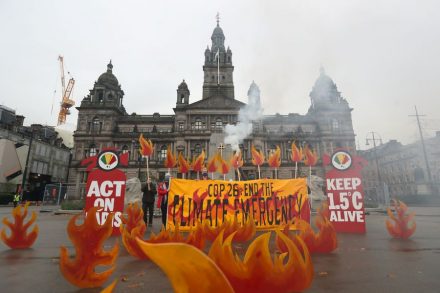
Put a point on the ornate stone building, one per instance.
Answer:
(104, 122)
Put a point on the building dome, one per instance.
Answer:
(183, 86)
(218, 31)
(108, 78)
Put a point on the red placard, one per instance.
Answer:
(106, 186)
(344, 191)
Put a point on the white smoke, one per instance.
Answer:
(235, 134)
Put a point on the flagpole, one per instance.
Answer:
(296, 168)
(218, 66)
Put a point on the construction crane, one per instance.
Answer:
(66, 102)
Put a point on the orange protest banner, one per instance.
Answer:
(270, 202)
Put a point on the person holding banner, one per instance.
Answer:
(148, 195)
(162, 190)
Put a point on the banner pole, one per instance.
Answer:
(296, 168)
(148, 171)
(259, 174)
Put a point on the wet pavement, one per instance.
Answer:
(373, 262)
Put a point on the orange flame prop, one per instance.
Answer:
(184, 166)
(133, 226)
(187, 268)
(212, 166)
(88, 239)
(310, 157)
(170, 160)
(257, 159)
(325, 241)
(194, 238)
(401, 228)
(241, 233)
(146, 146)
(20, 238)
(297, 154)
(274, 159)
(111, 287)
(258, 272)
(237, 162)
(223, 167)
(198, 163)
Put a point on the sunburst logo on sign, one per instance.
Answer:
(108, 160)
(341, 160)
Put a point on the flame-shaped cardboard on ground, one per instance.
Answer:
(190, 270)
(132, 227)
(260, 271)
(19, 237)
(242, 233)
(404, 224)
(324, 241)
(88, 240)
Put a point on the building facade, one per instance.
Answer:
(402, 169)
(195, 126)
(36, 150)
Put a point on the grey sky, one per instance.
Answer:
(383, 55)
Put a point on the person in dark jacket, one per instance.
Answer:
(148, 196)
(163, 189)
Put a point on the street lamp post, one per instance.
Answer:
(379, 178)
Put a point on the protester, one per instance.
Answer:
(16, 199)
(148, 195)
(162, 190)
(205, 174)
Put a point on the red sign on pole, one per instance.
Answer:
(106, 186)
(344, 191)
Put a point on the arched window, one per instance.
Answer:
(93, 151)
(96, 126)
(163, 152)
(218, 123)
(182, 98)
(198, 124)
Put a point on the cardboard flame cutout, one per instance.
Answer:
(146, 149)
(401, 228)
(310, 157)
(184, 166)
(212, 166)
(241, 233)
(198, 163)
(237, 163)
(194, 238)
(257, 272)
(297, 154)
(170, 160)
(111, 287)
(133, 226)
(325, 241)
(19, 237)
(187, 268)
(190, 270)
(257, 159)
(88, 240)
(224, 166)
(274, 159)
(237, 160)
